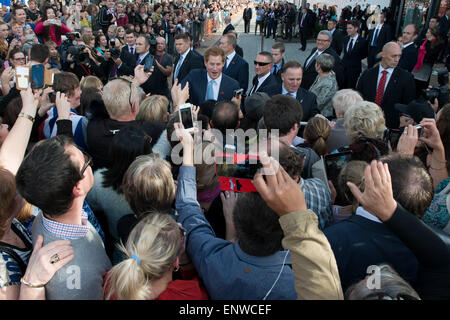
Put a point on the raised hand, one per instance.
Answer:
(378, 197)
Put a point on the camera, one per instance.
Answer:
(112, 42)
(152, 40)
(115, 53)
(440, 92)
(79, 57)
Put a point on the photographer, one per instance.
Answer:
(50, 28)
(164, 67)
(80, 61)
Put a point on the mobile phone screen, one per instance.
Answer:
(186, 117)
(334, 164)
(148, 64)
(242, 170)
(37, 76)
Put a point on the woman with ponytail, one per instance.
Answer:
(154, 251)
(316, 134)
(50, 27)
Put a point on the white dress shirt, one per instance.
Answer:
(366, 214)
(350, 41)
(315, 57)
(230, 58)
(141, 58)
(407, 45)
(388, 76)
(261, 80)
(216, 85)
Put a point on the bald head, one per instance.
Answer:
(391, 54)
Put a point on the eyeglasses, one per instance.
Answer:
(322, 40)
(406, 116)
(262, 64)
(19, 59)
(87, 162)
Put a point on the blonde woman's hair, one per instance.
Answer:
(153, 108)
(344, 99)
(90, 82)
(148, 185)
(151, 250)
(316, 134)
(364, 120)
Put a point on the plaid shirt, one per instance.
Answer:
(67, 231)
(318, 199)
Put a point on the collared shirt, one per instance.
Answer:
(278, 67)
(67, 231)
(366, 214)
(388, 76)
(332, 31)
(183, 56)
(226, 270)
(318, 199)
(284, 91)
(350, 41)
(261, 80)
(216, 85)
(230, 58)
(407, 45)
(315, 55)
(132, 47)
(141, 58)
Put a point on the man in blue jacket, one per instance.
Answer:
(210, 84)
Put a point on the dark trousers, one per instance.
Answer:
(303, 37)
(372, 57)
(271, 28)
(247, 26)
(261, 26)
(288, 31)
(351, 77)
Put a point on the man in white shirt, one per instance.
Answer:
(235, 67)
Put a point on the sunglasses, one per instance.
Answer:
(262, 64)
(87, 162)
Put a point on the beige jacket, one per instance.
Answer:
(315, 269)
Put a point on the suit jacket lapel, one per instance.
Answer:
(392, 83)
(373, 82)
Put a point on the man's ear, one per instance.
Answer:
(77, 190)
(295, 127)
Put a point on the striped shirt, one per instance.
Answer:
(67, 231)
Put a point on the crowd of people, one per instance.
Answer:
(103, 194)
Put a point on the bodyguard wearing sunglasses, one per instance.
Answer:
(263, 78)
(291, 76)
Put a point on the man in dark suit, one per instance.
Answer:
(235, 67)
(323, 42)
(128, 56)
(186, 60)
(278, 52)
(263, 78)
(289, 21)
(338, 37)
(388, 84)
(238, 49)
(305, 25)
(141, 56)
(355, 50)
(229, 26)
(210, 84)
(291, 76)
(377, 38)
(247, 16)
(409, 50)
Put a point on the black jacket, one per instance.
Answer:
(191, 62)
(401, 88)
(338, 41)
(307, 100)
(310, 73)
(409, 57)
